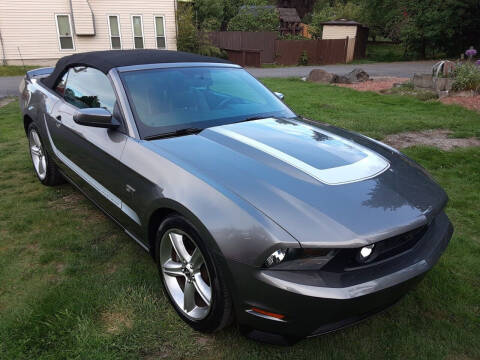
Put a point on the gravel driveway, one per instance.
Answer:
(9, 84)
(396, 69)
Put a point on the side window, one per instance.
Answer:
(89, 88)
(60, 88)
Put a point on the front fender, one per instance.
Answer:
(233, 227)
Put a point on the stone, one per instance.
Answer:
(321, 76)
(355, 76)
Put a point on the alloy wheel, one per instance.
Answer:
(185, 274)
(38, 156)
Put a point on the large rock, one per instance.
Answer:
(354, 76)
(321, 76)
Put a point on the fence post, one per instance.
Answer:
(346, 50)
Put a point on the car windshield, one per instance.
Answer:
(174, 99)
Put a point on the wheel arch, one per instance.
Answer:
(166, 208)
(27, 120)
(169, 207)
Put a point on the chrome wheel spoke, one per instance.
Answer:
(41, 167)
(36, 139)
(189, 297)
(203, 289)
(172, 268)
(36, 151)
(179, 247)
(196, 259)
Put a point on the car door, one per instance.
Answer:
(91, 155)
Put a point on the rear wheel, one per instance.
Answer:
(45, 169)
(190, 276)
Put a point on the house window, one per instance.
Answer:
(160, 32)
(64, 29)
(114, 28)
(137, 27)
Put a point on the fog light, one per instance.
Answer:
(276, 258)
(366, 251)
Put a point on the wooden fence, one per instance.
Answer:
(243, 48)
(318, 52)
(263, 41)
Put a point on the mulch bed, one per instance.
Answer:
(375, 84)
(470, 102)
(438, 138)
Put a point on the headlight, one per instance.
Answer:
(299, 259)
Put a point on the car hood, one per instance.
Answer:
(325, 186)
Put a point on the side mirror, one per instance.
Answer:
(96, 117)
(279, 95)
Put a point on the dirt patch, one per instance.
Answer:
(60, 267)
(436, 138)
(204, 340)
(375, 84)
(6, 100)
(111, 268)
(116, 321)
(160, 354)
(67, 202)
(470, 102)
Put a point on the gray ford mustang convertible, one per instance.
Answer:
(294, 228)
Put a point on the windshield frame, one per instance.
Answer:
(202, 125)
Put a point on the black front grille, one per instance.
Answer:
(384, 250)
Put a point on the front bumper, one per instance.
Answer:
(316, 302)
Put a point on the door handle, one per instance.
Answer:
(58, 123)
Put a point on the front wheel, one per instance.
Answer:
(43, 164)
(190, 277)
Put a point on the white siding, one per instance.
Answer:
(29, 26)
(338, 31)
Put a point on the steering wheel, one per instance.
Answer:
(224, 102)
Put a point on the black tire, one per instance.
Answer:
(220, 313)
(52, 175)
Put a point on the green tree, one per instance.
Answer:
(187, 37)
(335, 10)
(256, 18)
(209, 14)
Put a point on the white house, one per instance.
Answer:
(40, 32)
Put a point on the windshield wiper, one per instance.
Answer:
(180, 132)
(251, 118)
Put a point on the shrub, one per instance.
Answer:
(467, 77)
(303, 58)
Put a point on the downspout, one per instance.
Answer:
(93, 18)
(72, 18)
(4, 57)
(175, 5)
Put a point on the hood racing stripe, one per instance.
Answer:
(370, 166)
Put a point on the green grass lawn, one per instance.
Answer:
(72, 285)
(14, 70)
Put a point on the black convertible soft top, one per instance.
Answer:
(106, 60)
